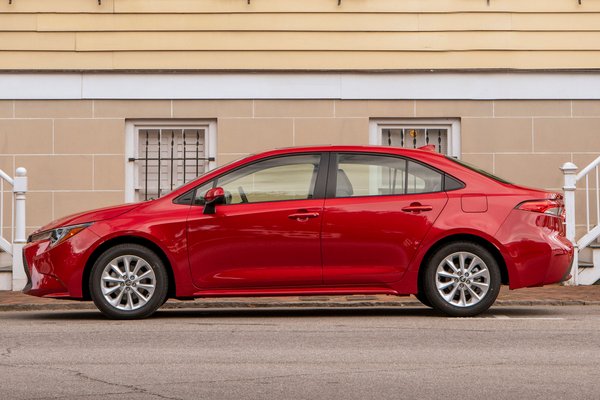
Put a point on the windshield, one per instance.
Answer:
(479, 170)
(200, 176)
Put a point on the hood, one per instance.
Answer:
(98, 214)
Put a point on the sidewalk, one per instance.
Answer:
(548, 295)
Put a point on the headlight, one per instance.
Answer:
(58, 235)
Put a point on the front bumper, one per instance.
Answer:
(58, 271)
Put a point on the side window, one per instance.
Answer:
(275, 179)
(378, 175)
(422, 179)
(369, 175)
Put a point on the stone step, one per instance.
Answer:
(5, 260)
(5, 279)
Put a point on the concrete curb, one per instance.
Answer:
(288, 304)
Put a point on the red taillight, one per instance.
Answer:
(550, 207)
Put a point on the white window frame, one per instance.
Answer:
(451, 124)
(132, 135)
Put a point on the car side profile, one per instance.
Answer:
(322, 220)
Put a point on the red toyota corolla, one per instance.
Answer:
(311, 221)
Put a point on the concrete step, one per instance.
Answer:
(589, 272)
(5, 260)
(5, 279)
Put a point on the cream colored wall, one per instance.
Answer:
(75, 150)
(298, 35)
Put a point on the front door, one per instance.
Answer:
(268, 233)
(374, 221)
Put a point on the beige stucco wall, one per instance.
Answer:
(298, 35)
(75, 150)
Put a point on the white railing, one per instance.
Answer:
(592, 201)
(14, 243)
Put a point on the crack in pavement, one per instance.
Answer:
(8, 351)
(81, 375)
(134, 388)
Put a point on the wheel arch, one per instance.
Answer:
(127, 239)
(461, 237)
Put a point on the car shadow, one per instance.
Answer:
(271, 312)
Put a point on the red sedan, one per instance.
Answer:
(326, 220)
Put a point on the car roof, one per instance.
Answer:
(378, 149)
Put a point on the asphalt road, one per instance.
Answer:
(402, 353)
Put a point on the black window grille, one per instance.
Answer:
(167, 158)
(416, 137)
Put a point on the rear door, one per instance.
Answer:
(378, 209)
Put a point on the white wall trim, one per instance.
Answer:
(318, 85)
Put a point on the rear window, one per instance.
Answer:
(479, 170)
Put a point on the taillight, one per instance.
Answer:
(550, 207)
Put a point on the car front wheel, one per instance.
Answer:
(128, 281)
(462, 279)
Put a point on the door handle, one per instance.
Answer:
(417, 208)
(303, 216)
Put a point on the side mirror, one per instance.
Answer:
(213, 197)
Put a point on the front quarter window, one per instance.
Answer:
(201, 192)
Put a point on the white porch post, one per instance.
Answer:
(570, 170)
(19, 191)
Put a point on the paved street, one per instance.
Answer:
(401, 353)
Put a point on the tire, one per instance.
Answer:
(117, 295)
(423, 299)
(462, 292)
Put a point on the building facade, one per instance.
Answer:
(120, 100)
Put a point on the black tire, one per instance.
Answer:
(423, 299)
(158, 278)
(448, 305)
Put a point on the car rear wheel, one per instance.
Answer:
(462, 279)
(128, 281)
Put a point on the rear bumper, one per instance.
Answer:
(536, 252)
(560, 262)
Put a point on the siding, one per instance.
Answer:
(299, 35)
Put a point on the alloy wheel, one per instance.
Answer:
(128, 282)
(462, 279)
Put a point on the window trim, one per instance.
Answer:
(320, 182)
(452, 124)
(132, 128)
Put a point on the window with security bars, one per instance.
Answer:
(167, 157)
(416, 136)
